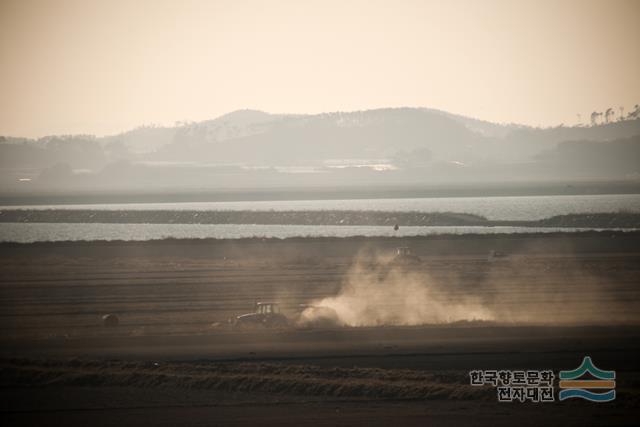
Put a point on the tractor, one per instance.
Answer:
(266, 315)
(405, 257)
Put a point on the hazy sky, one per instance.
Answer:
(106, 66)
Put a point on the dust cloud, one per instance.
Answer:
(382, 290)
(521, 288)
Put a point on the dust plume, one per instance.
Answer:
(381, 291)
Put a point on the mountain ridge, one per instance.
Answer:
(385, 145)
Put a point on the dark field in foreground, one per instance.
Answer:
(551, 300)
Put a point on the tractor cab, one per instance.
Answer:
(403, 251)
(267, 308)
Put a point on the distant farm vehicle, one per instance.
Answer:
(496, 255)
(110, 320)
(404, 256)
(266, 315)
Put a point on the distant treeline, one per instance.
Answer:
(325, 217)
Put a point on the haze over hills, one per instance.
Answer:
(249, 148)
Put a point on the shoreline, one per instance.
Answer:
(632, 234)
(321, 217)
(412, 190)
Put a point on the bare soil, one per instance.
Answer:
(173, 359)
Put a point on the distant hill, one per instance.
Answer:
(382, 133)
(389, 145)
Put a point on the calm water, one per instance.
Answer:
(33, 232)
(493, 208)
